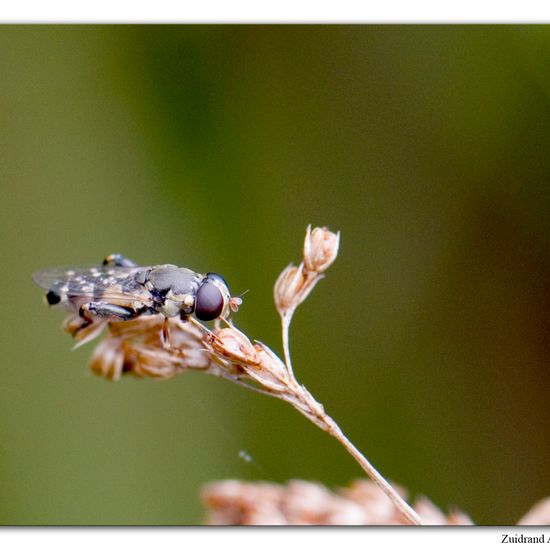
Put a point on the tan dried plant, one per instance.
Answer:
(137, 347)
(299, 502)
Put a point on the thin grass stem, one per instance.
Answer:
(285, 328)
(412, 517)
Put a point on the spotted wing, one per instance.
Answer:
(96, 282)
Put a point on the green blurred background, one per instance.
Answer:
(213, 147)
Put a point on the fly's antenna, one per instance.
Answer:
(234, 303)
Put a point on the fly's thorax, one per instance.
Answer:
(173, 289)
(180, 280)
(172, 305)
(169, 308)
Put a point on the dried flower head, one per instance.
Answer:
(234, 502)
(538, 515)
(295, 283)
(320, 249)
(108, 359)
(233, 345)
(288, 290)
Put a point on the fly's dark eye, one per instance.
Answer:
(217, 277)
(209, 302)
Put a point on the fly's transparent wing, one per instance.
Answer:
(97, 282)
(51, 277)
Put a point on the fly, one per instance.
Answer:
(121, 290)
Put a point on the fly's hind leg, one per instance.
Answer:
(103, 309)
(118, 260)
(92, 317)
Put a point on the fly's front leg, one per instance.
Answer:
(103, 309)
(118, 260)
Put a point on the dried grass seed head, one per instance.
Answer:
(296, 282)
(320, 248)
(288, 290)
(538, 515)
(108, 359)
(136, 347)
(299, 502)
(232, 344)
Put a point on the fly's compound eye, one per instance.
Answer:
(218, 278)
(209, 302)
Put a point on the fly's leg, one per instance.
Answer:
(83, 330)
(96, 314)
(103, 309)
(95, 311)
(165, 334)
(165, 338)
(118, 260)
(75, 325)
